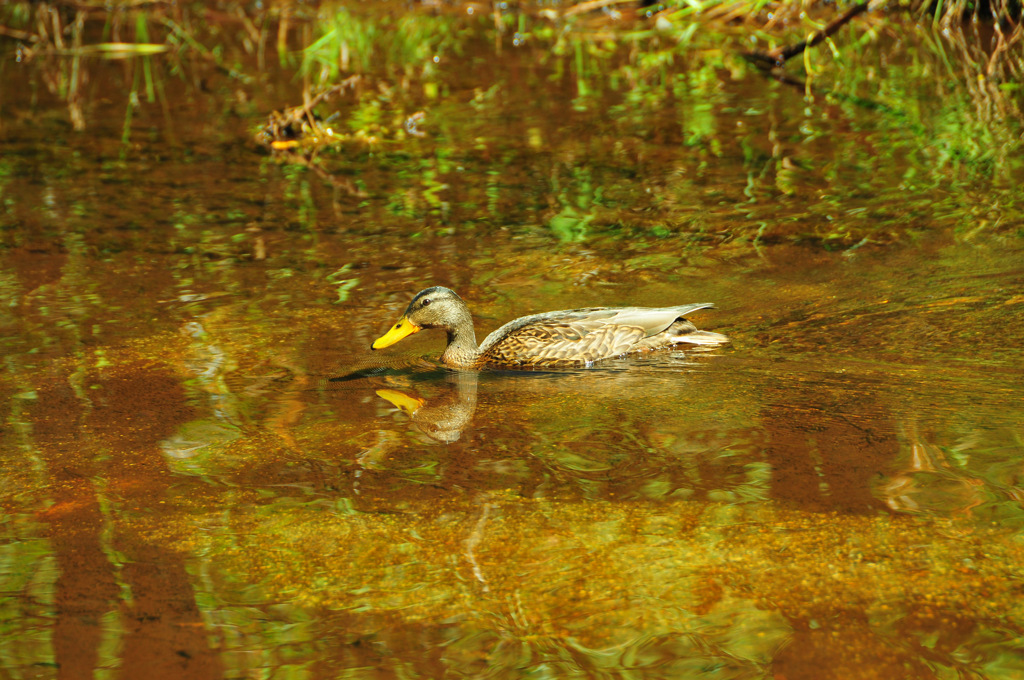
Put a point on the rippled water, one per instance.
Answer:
(207, 473)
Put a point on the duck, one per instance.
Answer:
(566, 338)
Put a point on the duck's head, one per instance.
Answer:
(436, 307)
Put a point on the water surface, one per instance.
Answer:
(206, 472)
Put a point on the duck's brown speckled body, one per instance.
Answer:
(572, 337)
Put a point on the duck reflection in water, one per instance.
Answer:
(442, 418)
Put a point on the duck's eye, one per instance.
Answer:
(424, 302)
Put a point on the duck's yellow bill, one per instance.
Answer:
(402, 329)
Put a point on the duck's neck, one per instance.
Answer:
(462, 350)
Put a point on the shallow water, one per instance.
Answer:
(206, 472)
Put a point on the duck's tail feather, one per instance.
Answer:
(701, 338)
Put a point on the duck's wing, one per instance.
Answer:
(653, 320)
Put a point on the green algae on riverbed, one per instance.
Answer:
(581, 581)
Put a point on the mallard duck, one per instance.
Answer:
(572, 337)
